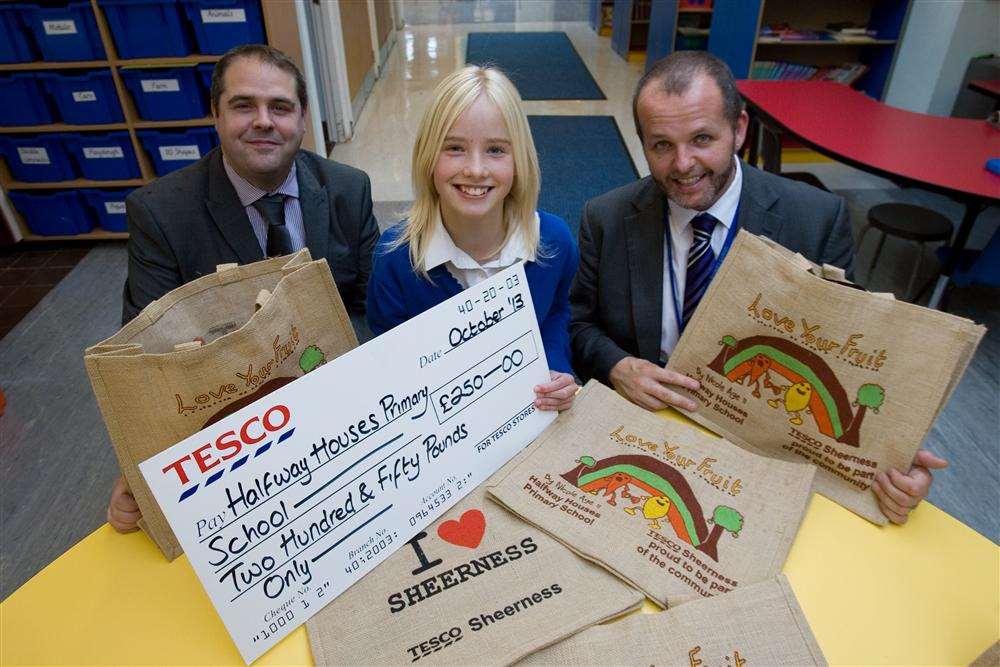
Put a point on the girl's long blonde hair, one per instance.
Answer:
(452, 97)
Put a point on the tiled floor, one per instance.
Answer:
(28, 272)
(424, 54)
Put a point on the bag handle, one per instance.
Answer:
(262, 298)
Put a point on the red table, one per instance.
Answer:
(945, 155)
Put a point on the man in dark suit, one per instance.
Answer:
(648, 250)
(259, 196)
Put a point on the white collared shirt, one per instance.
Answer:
(248, 193)
(682, 236)
(466, 270)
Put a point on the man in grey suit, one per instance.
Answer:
(648, 250)
(259, 196)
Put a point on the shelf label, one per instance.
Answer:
(59, 27)
(223, 16)
(180, 152)
(33, 155)
(84, 96)
(104, 153)
(161, 85)
(115, 207)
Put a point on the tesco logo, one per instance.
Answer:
(228, 445)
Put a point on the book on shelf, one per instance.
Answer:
(689, 31)
(847, 31)
(771, 70)
(783, 32)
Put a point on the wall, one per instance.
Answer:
(977, 32)
(939, 38)
(383, 20)
(357, 43)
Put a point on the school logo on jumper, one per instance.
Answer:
(799, 382)
(666, 495)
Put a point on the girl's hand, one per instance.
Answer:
(557, 394)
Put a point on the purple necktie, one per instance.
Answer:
(700, 265)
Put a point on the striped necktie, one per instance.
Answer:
(700, 265)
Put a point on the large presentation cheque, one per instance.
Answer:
(284, 504)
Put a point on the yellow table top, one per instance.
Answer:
(927, 593)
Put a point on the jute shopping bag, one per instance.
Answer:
(479, 586)
(760, 624)
(803, 367)
(676, 512)
(207, 349)
(989, 658)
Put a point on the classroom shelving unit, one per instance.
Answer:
(630, 26)
(735, 35)
(282, 33)
(676, 26)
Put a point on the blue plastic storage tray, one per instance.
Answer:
(24, 101)
(104, 157)
(16, 44)
(219, 25)
(173, 93)
(55, 214)
(148, 28)
(108, 206)
(38, 158)
(171, 151)
(205, 72)
(65, 33)
(84, 99)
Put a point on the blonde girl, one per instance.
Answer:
(476, 182)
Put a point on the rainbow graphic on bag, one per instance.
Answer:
(669, 496)
(813, 387)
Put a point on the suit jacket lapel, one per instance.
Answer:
(756, 201)
(645, 233)
(315, 206)
(228, 213)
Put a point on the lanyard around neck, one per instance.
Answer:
(670, 260)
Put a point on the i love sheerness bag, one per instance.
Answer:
(207, 349)
(760, 624)
(479, 586)
(676, 512)
(803, 368)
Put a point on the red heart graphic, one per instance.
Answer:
(466, 532)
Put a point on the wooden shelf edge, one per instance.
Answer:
(159, 61)
(62, 127)
(96, 235)
(165, 61)
(78, 183)
(207, 121)
(45, 64)
(695, 10)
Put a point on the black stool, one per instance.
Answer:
(914, 223)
